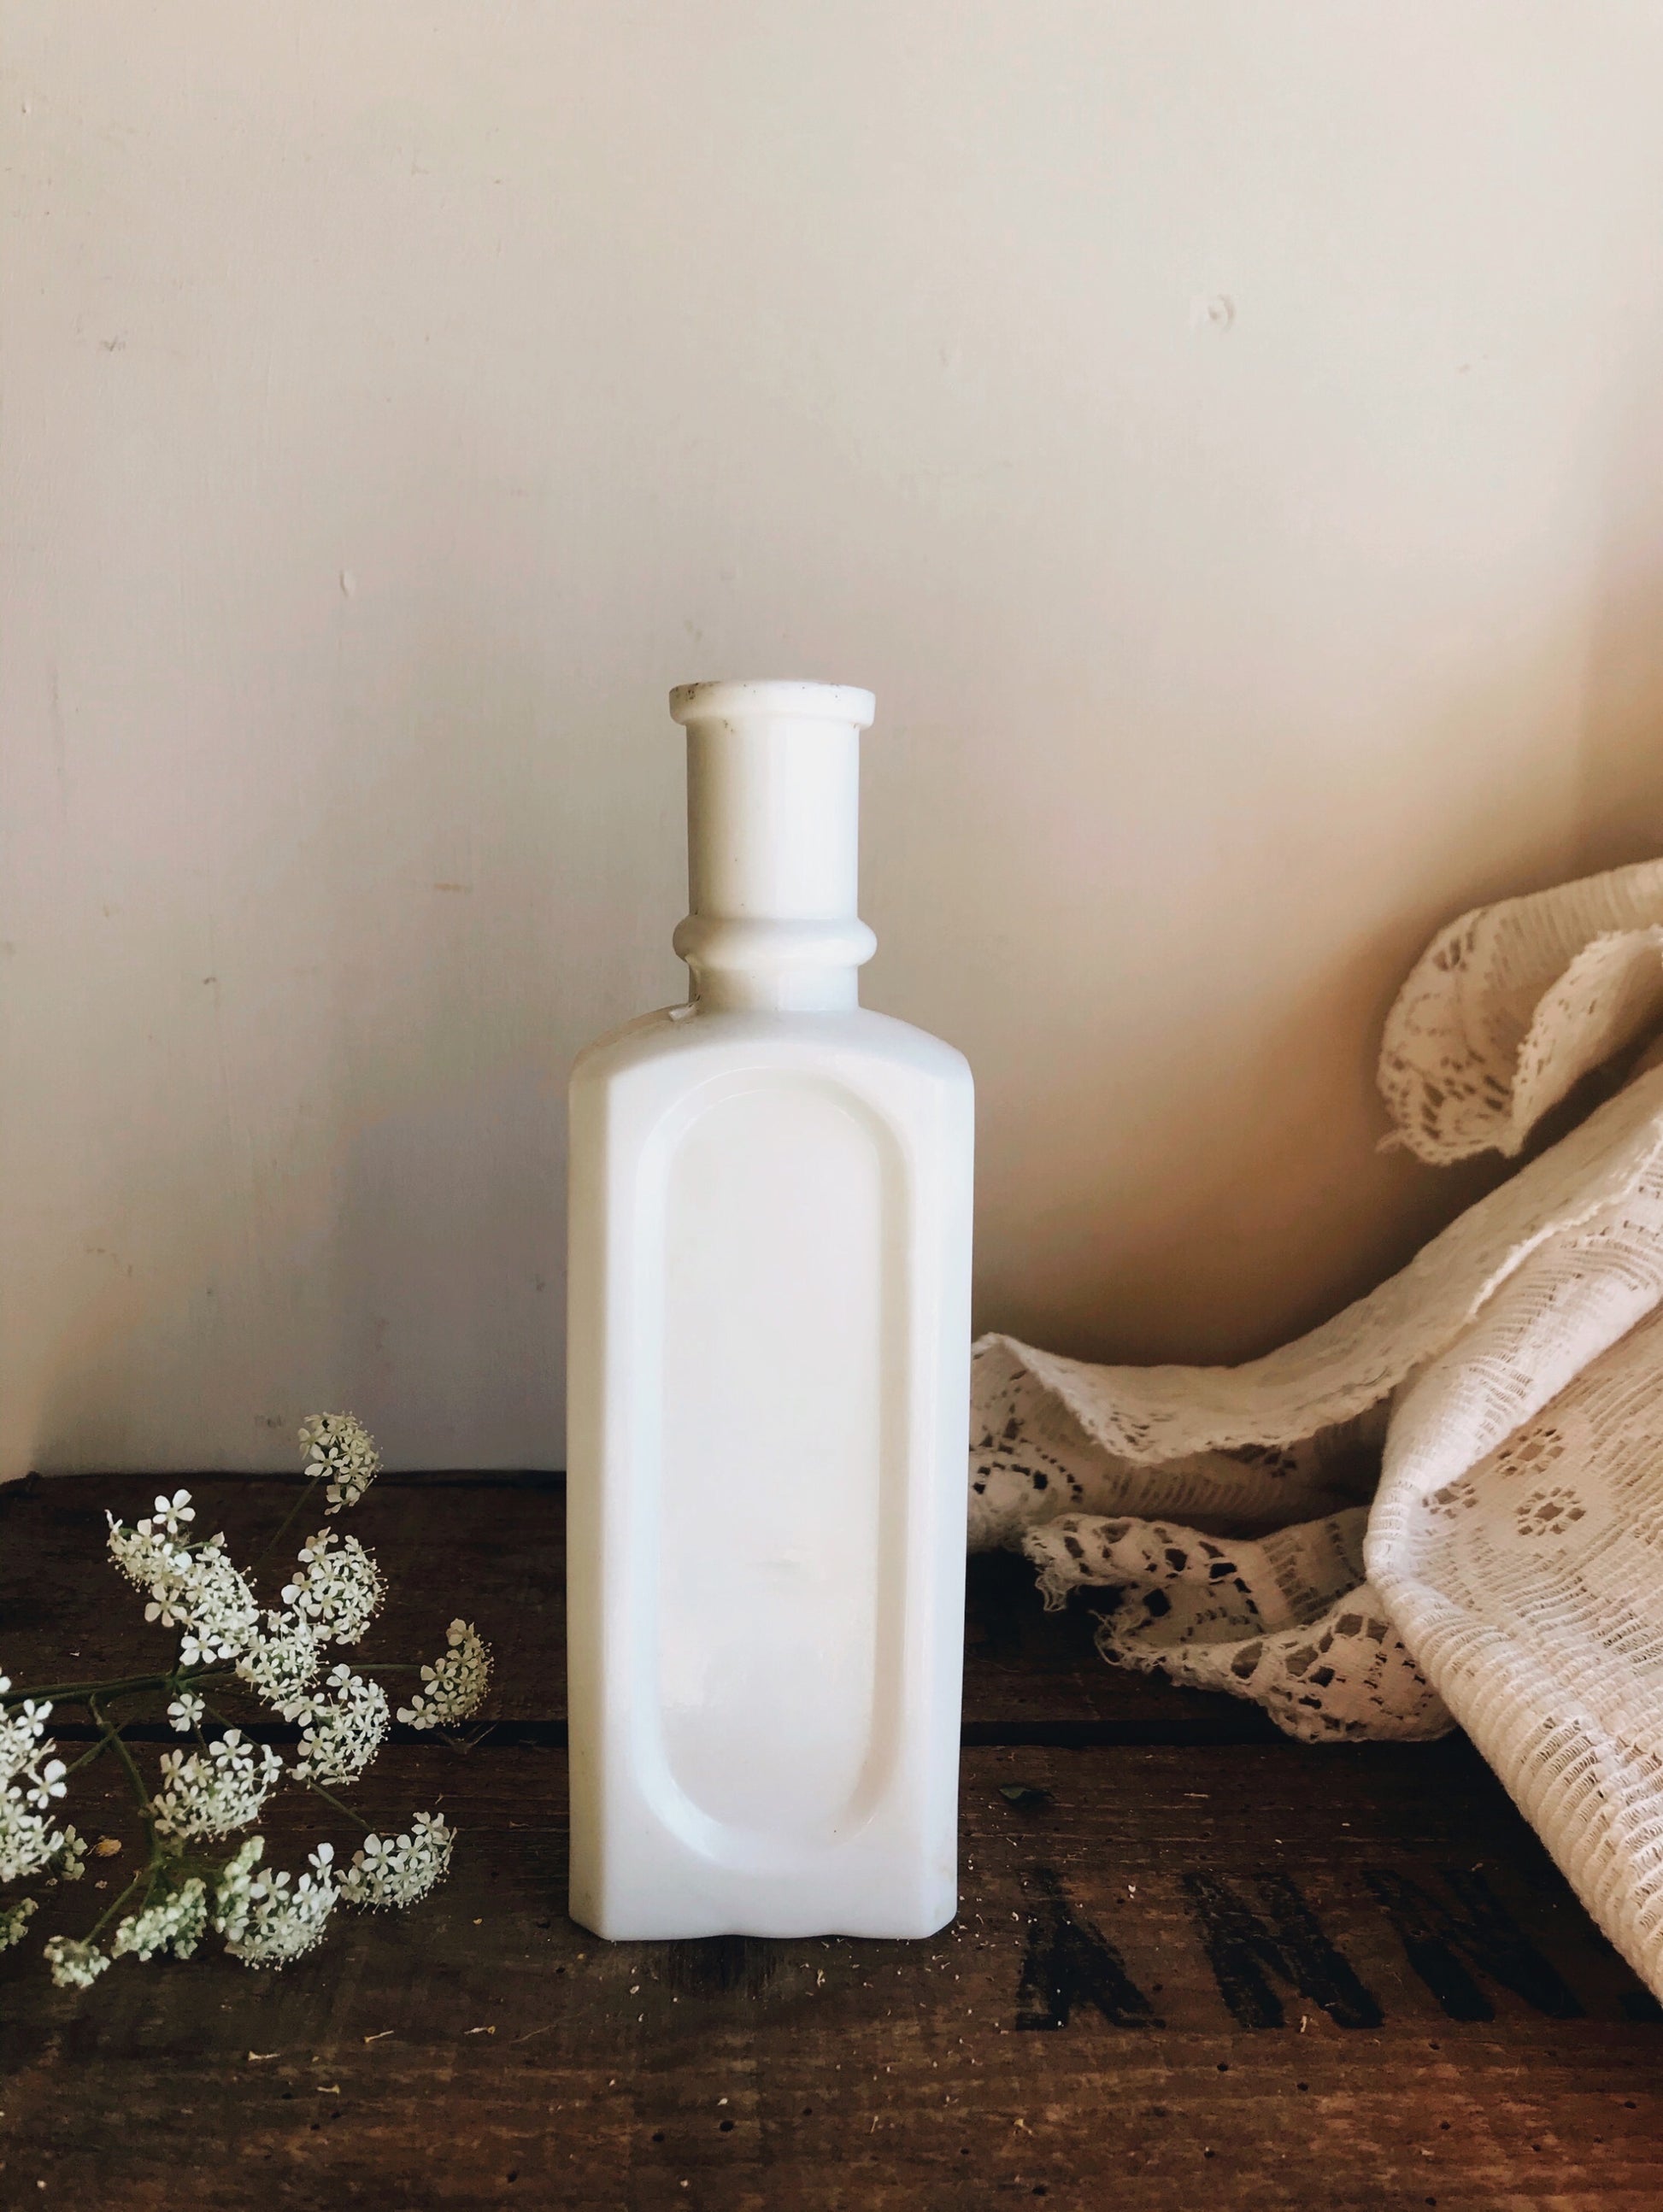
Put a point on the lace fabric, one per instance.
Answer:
(1446, 1505)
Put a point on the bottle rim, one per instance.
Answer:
(733, 699)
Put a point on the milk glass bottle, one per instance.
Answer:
(769, 1385)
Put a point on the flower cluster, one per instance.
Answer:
(174, 1922)
(396, 1870)
(456, 1685)
(14, 1922)
(75, 1965)
(232, 1644)
(342, 1730)
(283, 1659)
(265, 1921)
(212, 1792)
(195, 1588)
(341, 1451)
(338, 1588)
(31, 1780)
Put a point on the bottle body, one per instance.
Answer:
(767, 1447)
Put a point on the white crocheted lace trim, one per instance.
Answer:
(1446, 1503)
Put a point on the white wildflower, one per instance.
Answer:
(74, 1965)
(265, 1915)
(153, 1563)
(20, 1731)
(337, 1587)
(175, 1923)
(46, 1782)
(264, 1920)
(342, 1730)
(14, 1920)
(211, 1793)
(198, 1590)
(28, 1843)
(219, 1607)
(340, 1450)
(456, 1686)
(170, 1512)
(28, 1721)
(398, 1870)
(282, 1659)
(232, 1880)
(31, 1777)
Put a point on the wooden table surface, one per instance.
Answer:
(1196, 1965)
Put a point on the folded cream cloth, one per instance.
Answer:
(1446, 1505)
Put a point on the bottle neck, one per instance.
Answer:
(773, 798)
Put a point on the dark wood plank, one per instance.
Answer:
(1082, 2033)
(494, 1548)
(1032, 1673)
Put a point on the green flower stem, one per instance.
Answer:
(146, 1877)
(318, 1789)
(85, 1694)
(82, 1693)
(113, 1735)
(281, 1530)
(329, 1798)
(87, 1757)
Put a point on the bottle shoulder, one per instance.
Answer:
(708, 1041)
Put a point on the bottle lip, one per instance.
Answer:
(729, 699)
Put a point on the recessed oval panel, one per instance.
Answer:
(781, 1200)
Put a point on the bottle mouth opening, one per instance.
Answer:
(733, 699)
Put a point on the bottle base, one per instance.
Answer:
(655, 1926)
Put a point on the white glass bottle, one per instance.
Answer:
(769, 1385)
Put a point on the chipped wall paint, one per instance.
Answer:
(1225, 439)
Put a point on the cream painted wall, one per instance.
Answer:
(1226, 437)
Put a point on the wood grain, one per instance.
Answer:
(1243, 1974)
